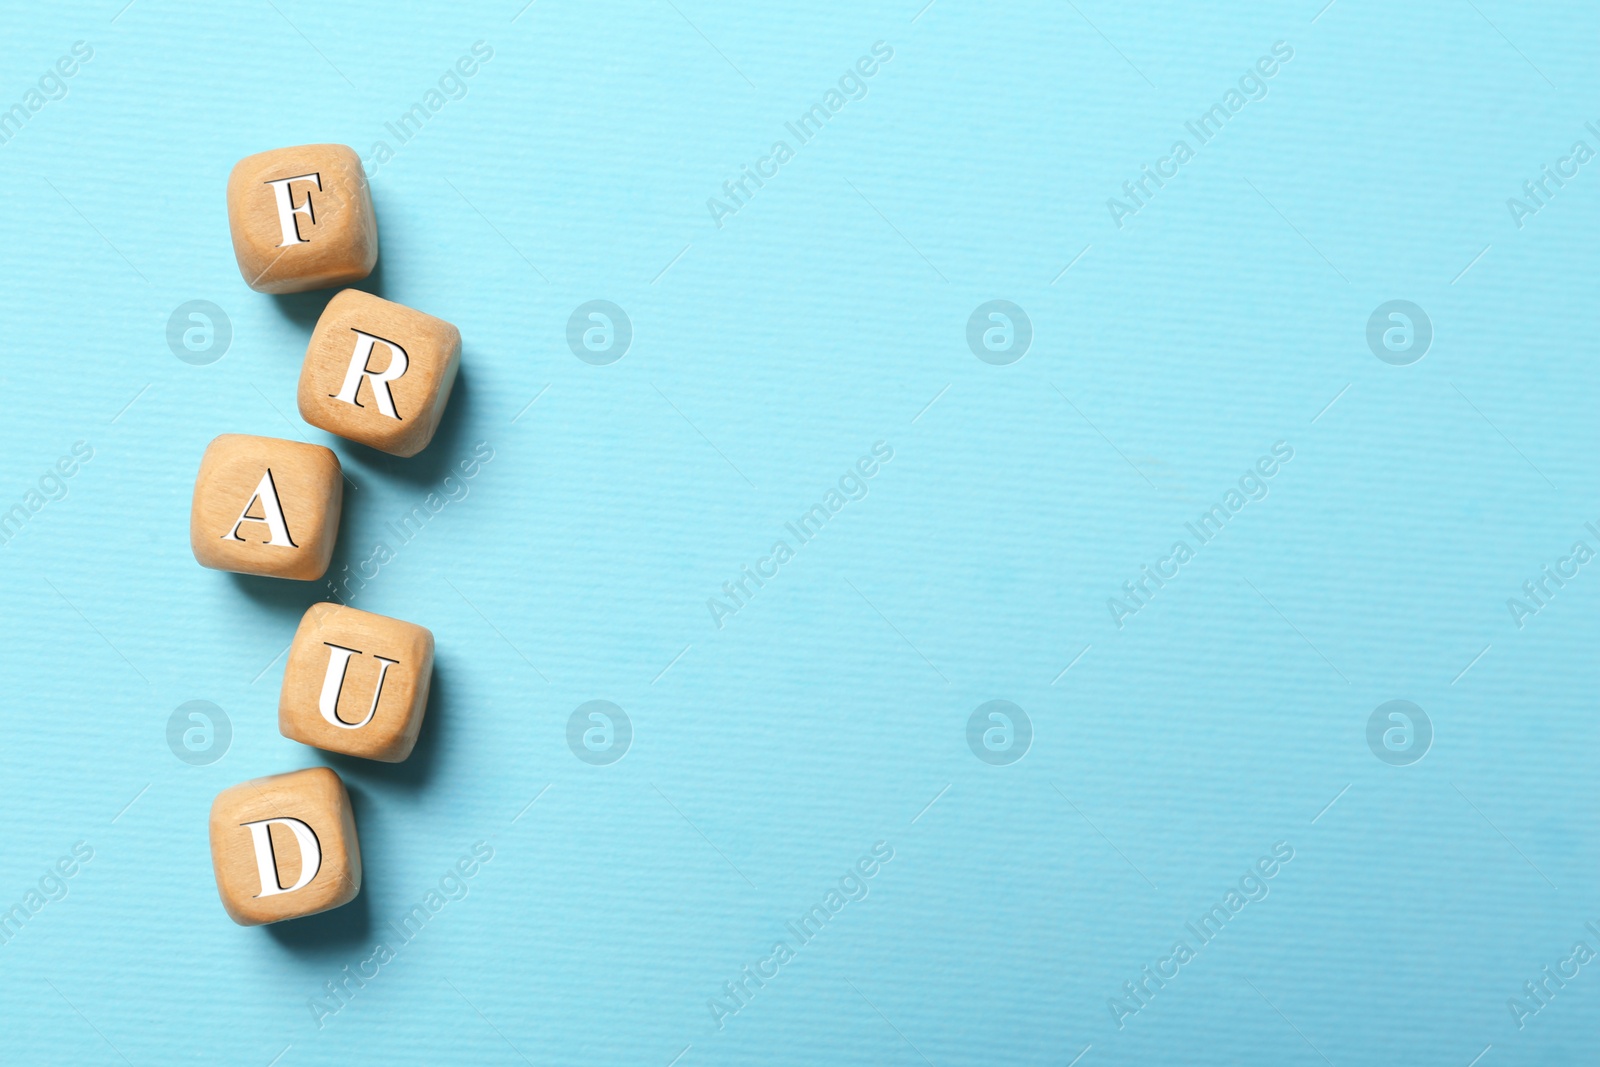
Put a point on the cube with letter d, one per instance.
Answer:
(285, 846)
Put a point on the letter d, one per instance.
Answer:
(267, 863)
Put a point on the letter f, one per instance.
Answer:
(287, 211)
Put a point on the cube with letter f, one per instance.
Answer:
(302, 218)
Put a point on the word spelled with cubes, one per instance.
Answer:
(377, 373)
(302, 219)
(356, 683)
(285, 846)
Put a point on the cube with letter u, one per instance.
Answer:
(356, 683)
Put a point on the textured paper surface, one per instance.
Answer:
(609, 501)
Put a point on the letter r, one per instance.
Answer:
(398, 362)
(287, 211)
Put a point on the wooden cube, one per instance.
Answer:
(302, 218)
(265, 506)
(378, 372)
(356, 683)
(285, 846)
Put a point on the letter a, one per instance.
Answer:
(1119, 1011)
(719, 1011)
(287, 211)
(718, 210)
(271, 514)
(267, 863)
(333, 682)
(398, 362)
(1119, 210)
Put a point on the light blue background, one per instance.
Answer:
(825, 716)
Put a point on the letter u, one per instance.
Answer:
(333, 684)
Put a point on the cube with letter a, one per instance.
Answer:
(356, 683)
(266, 506)
(302, 218)
(285, 846)
(378, 372)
